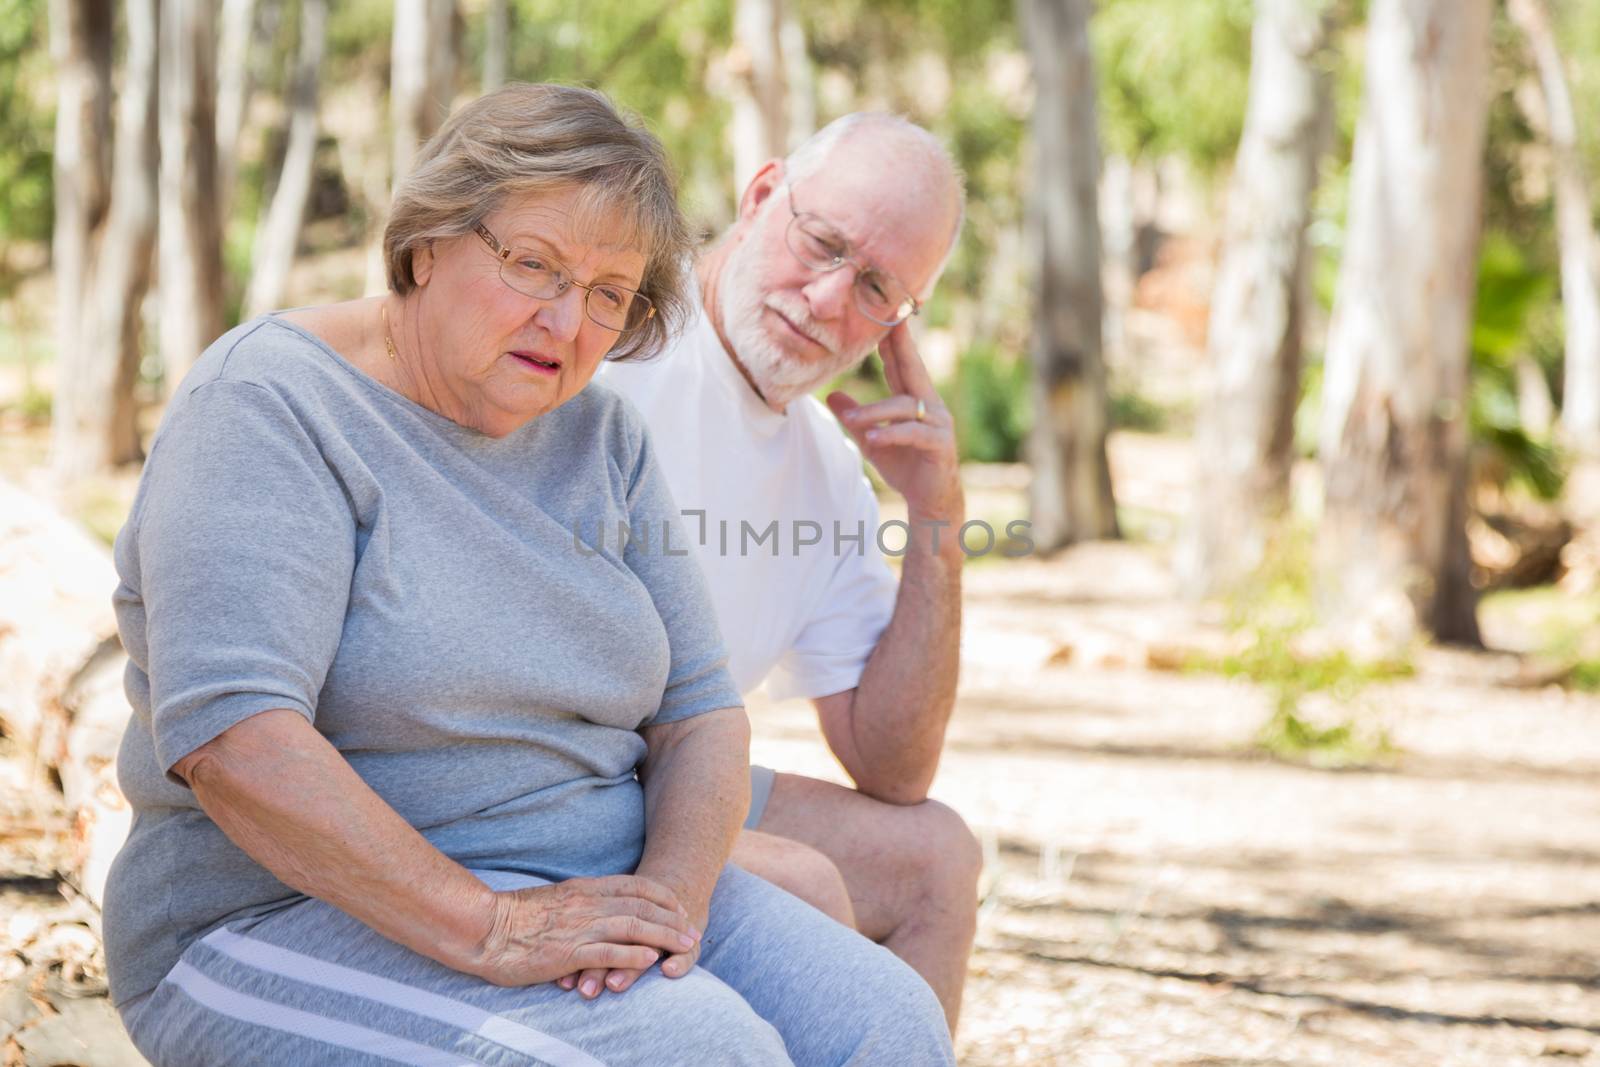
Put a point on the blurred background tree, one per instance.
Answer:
(1213, 143)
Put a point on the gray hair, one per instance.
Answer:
(812, 155)
(523, 139)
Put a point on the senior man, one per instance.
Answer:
(833, 250)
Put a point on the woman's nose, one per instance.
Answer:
(562, 315)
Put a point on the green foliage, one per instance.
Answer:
(1585, 676)
(1273, 612)
(34, 405)
(1174, 76)
(1510, 288)
(654, 58)
(1557, 627)
(1135, 411)
(1288, 736)
(26, 182)
(989, 398)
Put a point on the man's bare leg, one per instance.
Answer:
(912, 872)
(798, 869)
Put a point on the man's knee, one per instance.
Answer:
(796, 868)
(943, 853)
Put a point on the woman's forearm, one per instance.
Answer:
(696, 794)
(285, 796)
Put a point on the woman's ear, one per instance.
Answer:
(422, 264)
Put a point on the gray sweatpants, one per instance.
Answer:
(778, 982)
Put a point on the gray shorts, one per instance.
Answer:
(778, 983)
(761, 779)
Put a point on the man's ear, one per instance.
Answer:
(422, 264)
(766, 182)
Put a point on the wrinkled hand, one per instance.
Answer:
(542, 933)
(592, 981)
(917, 459)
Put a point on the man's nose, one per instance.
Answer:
(829, 292)
(562, 315)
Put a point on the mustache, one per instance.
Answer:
(797, 312)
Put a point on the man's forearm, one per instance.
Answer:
(903, 702)
(696, 794)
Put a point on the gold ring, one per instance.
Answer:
(922, 410)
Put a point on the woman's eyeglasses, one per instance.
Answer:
(533, 273)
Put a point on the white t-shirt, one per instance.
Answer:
(805, 619)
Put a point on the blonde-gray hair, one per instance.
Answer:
(523, 139)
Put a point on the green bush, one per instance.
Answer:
(989, 397)
(1510, 290)
(1274, 610)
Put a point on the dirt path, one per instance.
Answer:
(1158, 894)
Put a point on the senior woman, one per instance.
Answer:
(406, 762)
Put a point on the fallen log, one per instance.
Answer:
(61, 664)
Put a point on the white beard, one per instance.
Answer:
(779, 375)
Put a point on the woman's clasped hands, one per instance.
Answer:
(584, 927)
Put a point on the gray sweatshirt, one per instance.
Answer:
(304, 537)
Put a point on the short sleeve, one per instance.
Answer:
(850, 616)
(659, 554)
(245, 545)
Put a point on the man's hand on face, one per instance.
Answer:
(916, 458)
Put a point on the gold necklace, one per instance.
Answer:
(388, 339)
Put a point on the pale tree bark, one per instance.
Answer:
(496, 42)
(190, 230)
(1246, 431)
(1536, 408)
(95, 424)
(421, 73)
(234, 86)
(80, 45)
(800, 86)
(759, 129)
(1392, 550)
(280, 233)
(1070, 496)
(1580, 248)
(422, 66)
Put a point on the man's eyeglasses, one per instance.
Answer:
(536, 274)
(816, 244)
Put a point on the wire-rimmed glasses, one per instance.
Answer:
(536, 274)
(817, 244)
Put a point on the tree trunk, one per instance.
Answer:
(1246, 432)
(233, 95)
(95, 424)
(422, 67)
(800, 86)
(280, 233)
(1392, 552)
(1580, 250)
(190, 231)
(760, 113)
(496, 41)
(1070, 497)
(122, 274)
(80, 45)
(61, 697)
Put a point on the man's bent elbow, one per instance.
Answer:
(902, 792)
